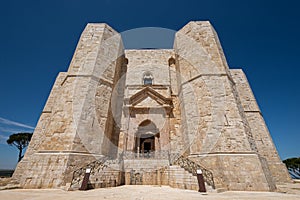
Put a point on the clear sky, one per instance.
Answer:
(38, 39)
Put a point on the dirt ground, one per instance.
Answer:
(130, 192)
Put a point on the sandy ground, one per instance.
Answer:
(130, 192)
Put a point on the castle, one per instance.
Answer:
(151, 116)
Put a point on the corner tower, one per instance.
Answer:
(222, 128)
(76, 125)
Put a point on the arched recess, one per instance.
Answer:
(146, 138)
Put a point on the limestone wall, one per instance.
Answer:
(70, 132)
(145, 172)
(142, 61)
(236, 171)
(213, 124)
(177, 144)
(259, 130)
(198, 45)
(211, 118)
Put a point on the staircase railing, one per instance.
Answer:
(95, 167)
(192, 167)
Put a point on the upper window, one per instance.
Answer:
(148, 78)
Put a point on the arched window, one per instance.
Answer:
(148, 79)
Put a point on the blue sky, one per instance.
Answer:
(38, 39)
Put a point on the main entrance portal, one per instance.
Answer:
(146, 137)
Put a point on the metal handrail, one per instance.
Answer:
(95, 167)
(192, 167)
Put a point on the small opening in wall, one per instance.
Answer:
(171, 61)
(148, 79)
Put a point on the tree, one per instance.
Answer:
(19, 140)
(293, 163)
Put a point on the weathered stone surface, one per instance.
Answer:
(142, 111)
(261, 136)
(69, 127)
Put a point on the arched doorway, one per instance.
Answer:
(145, 137)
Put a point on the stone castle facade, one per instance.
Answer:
(151, 116)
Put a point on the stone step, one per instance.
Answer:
(185, 179)
(186, 186)
(183, 175)
(173, 167)
(180, 178)
(181, 172)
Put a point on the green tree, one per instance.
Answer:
(292, 163)
(19, 140)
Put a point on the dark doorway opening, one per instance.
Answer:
(147, 145)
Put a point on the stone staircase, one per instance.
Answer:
(105, 172)
(182, 179)
(177, 172)
(192, 167)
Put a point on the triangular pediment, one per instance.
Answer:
(148, 97)
(148, 102)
